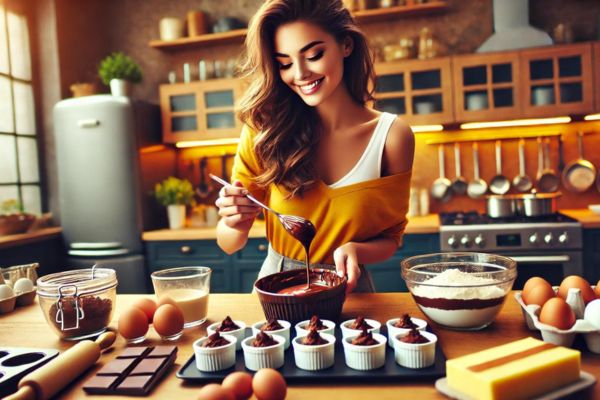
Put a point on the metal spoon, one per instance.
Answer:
(522, 182)
(499, 183)
(440, 189)
(300, 228)
(477, 187)
(459, 184)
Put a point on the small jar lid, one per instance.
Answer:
(87, 281)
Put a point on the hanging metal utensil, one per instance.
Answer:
(579, 175)
(477, 187)
(522, 182)
(548, 181)
(202, 191)
(499, 183)
(459, 184)
(440, 189)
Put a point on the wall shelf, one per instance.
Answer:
(209, 39)
(238, 35)
(390, 13)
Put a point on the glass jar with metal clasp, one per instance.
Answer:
(78, 304)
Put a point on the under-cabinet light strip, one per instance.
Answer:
(592, 117)
(426, 128)
(213, 142)
(516, 122)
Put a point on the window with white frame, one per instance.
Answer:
(19, 164)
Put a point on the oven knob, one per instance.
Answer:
(465, 241)
(534, 239)
(479, 241)
(452, 242)
(563, 238)
(549, 238)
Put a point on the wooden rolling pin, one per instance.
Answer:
(49, 379)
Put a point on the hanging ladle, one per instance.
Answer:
(522, 182)
(300, 228)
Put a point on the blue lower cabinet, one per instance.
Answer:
(591, 255)
(247, 263)
(236, 273)
(387, 274)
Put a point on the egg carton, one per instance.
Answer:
(9, 276)
(562, 337)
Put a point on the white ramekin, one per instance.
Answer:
(285, 332)
(211, 359)
(365, 358)
(263, 357)
(239, 334)
(313, 358)
(301, 331)
(415, 355)
(346, 332)
(394, 331)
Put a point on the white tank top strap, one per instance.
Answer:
(368, 166)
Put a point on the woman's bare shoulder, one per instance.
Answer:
(399, 147)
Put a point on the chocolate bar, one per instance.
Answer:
(133, 372)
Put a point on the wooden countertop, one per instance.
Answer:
(420, 224)
(25, 327)
(587, 217)
(29, 237)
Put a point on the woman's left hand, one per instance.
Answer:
(346, 264)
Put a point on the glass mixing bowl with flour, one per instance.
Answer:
(460, 290)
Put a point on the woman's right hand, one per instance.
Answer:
(236, 210)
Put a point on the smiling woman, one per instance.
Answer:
(311, 147)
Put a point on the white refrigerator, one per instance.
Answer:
(99, 182)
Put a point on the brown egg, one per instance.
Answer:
(269, 384)
(556, 312)
(240, 383)
(133, 323)
(168, 320)
(597, 289)
(214, 391)
(534, 281)
(576, 282)
(148, 306)
(165, 299)
(538, 293)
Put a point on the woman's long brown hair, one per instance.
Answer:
(288, 129)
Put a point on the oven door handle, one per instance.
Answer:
(540, 259)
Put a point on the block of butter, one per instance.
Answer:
(518, 370)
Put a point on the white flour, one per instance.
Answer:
(455, 277)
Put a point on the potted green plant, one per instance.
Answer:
(175, 194)
(118, 70)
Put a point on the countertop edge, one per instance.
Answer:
(30, 237)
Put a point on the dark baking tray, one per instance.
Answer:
(16, 362)
(339, 371)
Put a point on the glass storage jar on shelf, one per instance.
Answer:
(78, 304)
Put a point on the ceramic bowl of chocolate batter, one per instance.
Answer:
(283, 295)
(462, 291)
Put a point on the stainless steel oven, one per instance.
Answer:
(547, 246)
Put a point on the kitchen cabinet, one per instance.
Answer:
(557, 80)
(200, 110)
(591, 255)
(236, 273)
(419, 90)
(486, 87)
(387, 274)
